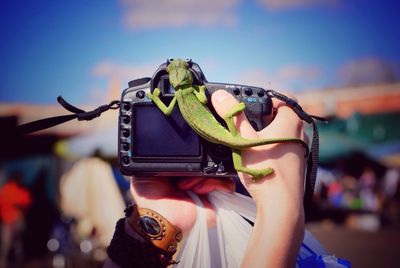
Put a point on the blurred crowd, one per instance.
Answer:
(367, 201)
(73, 229)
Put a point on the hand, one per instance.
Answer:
(279, 226)
(169, 198)
(287, 159)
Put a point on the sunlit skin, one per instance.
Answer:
(279, 226)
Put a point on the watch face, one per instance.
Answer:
(150, 226)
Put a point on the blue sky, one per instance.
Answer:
(83, 49)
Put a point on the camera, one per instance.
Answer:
(153, 144)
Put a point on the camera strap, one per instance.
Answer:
(77, 113)
(56, 120)
(312, 161)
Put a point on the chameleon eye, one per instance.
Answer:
(170, 60)
(188, 60)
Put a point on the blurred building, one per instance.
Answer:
(343, 102)
(361, 119)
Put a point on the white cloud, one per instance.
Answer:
(369, 71)
(117, 77)
(299, 72)
(276, 5)
(288, 78)
(109, 69)
(174, 13)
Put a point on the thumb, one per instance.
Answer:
(223, 103)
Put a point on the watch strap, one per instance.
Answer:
(128, 252)
(155, 228)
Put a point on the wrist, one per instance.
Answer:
(278, 194)
(285, 213)
(276, 237)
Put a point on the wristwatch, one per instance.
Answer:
(156, 249)
(155, 228)
(130, 252)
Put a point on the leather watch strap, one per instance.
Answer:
(157, 229)
(129, 252)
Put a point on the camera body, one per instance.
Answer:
(153, 144)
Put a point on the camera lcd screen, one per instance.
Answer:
(158, 135)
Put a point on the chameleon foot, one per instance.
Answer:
(200, 93)
(155, 95)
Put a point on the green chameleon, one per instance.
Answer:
(191, 102)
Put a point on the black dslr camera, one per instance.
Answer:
(153, 144)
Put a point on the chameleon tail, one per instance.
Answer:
(255, 173)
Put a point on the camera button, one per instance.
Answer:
(140, 94)
(125, 160)
(248, 91)
(126, 106)
(125, 146)
(261, 92)
(126, 133)
(126, 119)
(236, 91)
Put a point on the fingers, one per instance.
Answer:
(286, 122)
(223, 102)
(152, 188)
(189, 183)
(214, 184)
(201, 185)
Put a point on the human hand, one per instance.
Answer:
(286, 159)
(170, 199)
(279, 226)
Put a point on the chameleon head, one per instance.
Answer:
(179, 73)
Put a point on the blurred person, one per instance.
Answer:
(351, 195)
(369, 191)
(335, 193)
(391, 189)
(40, 217)
(15, 198)
(278, 229)
(368, 178)
(391, 182)
(324, 179)
(90, 195)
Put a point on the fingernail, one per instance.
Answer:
(221, 96)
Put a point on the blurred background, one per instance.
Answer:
(340, 58)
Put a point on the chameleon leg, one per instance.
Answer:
(157, 101)
(200, 93)
(255, 173)
(229, 118)
(236, 154)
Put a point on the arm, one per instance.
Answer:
(171, 201)
(279, 226)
